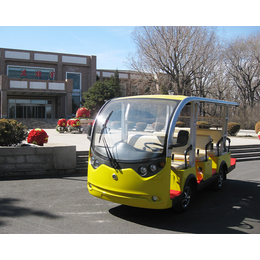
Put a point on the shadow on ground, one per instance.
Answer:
(232, 210)
(10, 209)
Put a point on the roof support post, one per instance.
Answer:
(193, 129)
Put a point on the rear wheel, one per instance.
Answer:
(218, 184)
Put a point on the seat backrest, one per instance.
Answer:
(202, 141)
(215, 134)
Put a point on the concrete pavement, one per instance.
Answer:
(64, 206)
(79, 140)
(244, 137)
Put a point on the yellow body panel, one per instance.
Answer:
(175, 181)
(206, 168)
(129, 188)
(216, 161)
(183, 174)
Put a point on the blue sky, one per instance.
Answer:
(111, 44)
(103, 28)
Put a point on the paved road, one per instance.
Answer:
(63, 205)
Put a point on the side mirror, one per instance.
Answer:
(89, 130)
(182, 139)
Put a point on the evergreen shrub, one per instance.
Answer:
(141, 126)
(203, 124)
(180, 124)
(157, 126)
(233, 128)
(12, 132)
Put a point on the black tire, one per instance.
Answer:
(187, 197)
(218, 184)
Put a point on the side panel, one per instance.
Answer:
(129, 188)
(206, 169)
(216, 161)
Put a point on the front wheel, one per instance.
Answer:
(187, 197)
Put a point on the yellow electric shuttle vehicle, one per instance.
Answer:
(148, 152)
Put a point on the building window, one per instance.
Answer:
(26, 108)
(75, 103)
(76, 93)
(76, 80)
(18, 72)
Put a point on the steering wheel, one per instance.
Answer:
(154, 149)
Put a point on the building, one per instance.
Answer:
(129, 80)
(36, 84)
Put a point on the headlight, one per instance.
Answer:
(153, 168)
(94, 162)
(143, 171)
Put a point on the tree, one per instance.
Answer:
(115, 84)
(243, 66)
(182, 53)
(97, 95)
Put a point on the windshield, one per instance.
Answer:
(132, 129)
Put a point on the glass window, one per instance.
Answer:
(30, 112)
(48, 112)
(133, 129)
(75, 104)
(22, 101)
(41, 112)
(29, 72)
(76, 80)
(12, 111)
(38, 101)
(26, 108)
(20, 111)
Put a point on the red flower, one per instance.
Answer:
(62, 122)
(37, 136)
(83, 112)
(74, 122)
